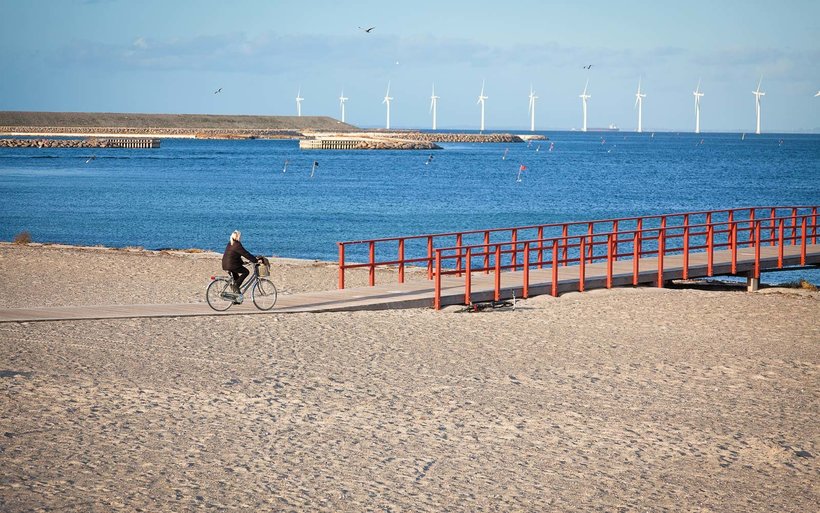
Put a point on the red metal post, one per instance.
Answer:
(514, 239)
(609, 255)
(814, 225)
(458, 257)
(401, 260)
(794, 227)
(757, 249)
(564, 233)
(429, 257)
(526, 277)
(555, 268)
(497, 295)
(468, 277)
(615, 229)
(661, 251)
(780, 230)
(772, 225)
(639, 229)
(733, 234)
(372, 277)
(803, 239)
(540, 247)
(636, 257)
(686, 250)
(487, 252)
(581, 264)
(341, 265)
(710, 248)
(590, 231)
(751, 224)
(437, 282)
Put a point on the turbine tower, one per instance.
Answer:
(532, 109)
(639, 104)
(698, 95)
(434, 105)
(584, 97)
(386, 101)
(299, 102)
(758, 94)
(342, 100)
(481, 99)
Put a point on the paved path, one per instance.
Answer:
(419, 294)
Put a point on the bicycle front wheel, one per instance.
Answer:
(264, 294)
(219, 294)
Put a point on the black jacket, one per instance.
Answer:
(231, 259)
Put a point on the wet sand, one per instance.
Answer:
(622, 400)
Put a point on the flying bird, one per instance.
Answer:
(818, 94)
(366, 29)
(218, 91)
(588, 67)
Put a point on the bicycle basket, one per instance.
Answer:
(263, 269)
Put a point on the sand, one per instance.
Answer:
(622, 400)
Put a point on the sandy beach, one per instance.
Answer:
(622, 400)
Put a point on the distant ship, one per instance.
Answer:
(611, 128)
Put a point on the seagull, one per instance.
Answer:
(588, 67)
(92, 157)
(429, 159)
(366, 29)
(218, 91)
(818, 94)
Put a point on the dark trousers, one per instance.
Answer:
(239, 276)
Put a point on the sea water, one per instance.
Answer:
(193, 193)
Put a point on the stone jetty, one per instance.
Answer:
(91, 142)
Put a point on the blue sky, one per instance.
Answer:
(169, 56)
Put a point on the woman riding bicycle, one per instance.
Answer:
(232, 260)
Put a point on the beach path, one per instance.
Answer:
(420, 293)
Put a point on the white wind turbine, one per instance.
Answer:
(698, 95)
(481, 99)
(434, 105)
(584, 97)
(639, 104)
(299, 102)
(386, 101)
(342, 100)
(532, 109)
(758, 94)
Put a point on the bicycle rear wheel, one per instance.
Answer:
(219, 294)
(264, 294)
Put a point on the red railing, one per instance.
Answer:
(425, 254)
(708, 237)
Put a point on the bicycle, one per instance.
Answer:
(220, 294)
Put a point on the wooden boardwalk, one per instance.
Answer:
(419, 294)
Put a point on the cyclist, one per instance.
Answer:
(232, 260)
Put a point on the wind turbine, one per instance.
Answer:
(639, 104)
(532, 109)
(434, 105)
(698, 95)
(758, 94)
(584, 97)
(299, 102)
(342, 100)
(386, 101)
(481, 99)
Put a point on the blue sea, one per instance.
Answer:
(194, 193)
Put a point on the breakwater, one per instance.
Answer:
(455, 137)
(118, 142)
